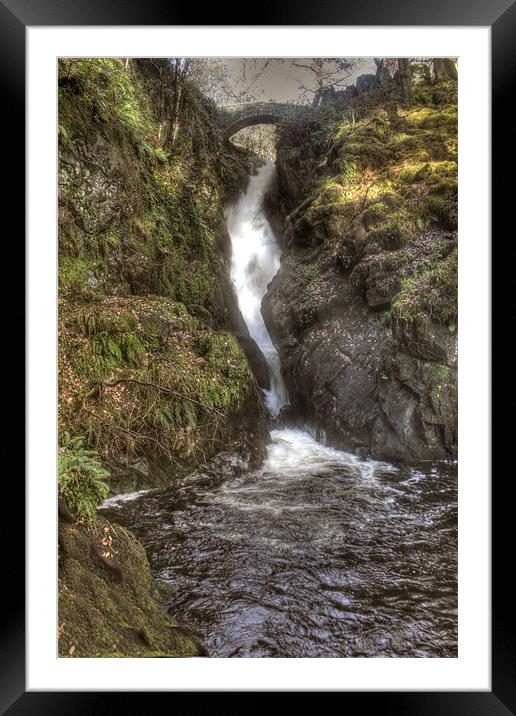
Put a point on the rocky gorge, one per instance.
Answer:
(165, 382)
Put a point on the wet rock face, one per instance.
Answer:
(364, 307)
(256, 360)
(331, 355)
(389, 392)
(417, 401)
(90, 177)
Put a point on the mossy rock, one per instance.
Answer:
(374, 214)
(447, 187)
(390, 235)
(429, 291)
(112, 611)
(201, 313)
(414, 174)
(442, 211)
(390, 199)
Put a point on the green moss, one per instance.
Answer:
(441, 210)
(371, 153)
(415, 173)
(376, 212)
(78, 275)
(140, 372)
(446, 187)
(384, 201)
(103, 91)
(443, 369)
(133, 349)
(390, 235)
(431, 291)
(108, 613)
(330, 192)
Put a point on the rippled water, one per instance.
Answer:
(317, 554)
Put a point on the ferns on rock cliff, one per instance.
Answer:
(82, 479)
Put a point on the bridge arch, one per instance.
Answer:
(244, 122)
(239, 117)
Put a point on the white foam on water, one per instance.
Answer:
(255, 261)
(124, 497)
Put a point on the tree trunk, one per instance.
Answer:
(444, 69)
(180, 72)
(161, 105)
(405, 80)
(450, 67)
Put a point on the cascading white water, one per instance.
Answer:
(255, 261)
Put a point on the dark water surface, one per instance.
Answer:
(317, 554)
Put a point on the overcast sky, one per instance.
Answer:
(281, 78)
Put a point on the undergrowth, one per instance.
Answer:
(82, 478)
(141, 374)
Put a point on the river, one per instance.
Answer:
(316, 554)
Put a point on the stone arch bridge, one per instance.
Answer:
(237, 117)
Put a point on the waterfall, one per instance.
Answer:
(317, 553)
(255, 261)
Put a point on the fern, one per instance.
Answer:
(106, 347)
(81, 477)
(134, 349)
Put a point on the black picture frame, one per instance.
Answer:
(500, 16)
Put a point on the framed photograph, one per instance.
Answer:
(258, 268)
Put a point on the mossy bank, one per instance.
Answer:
(153, 380)
(364, 307)
(109, 606)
